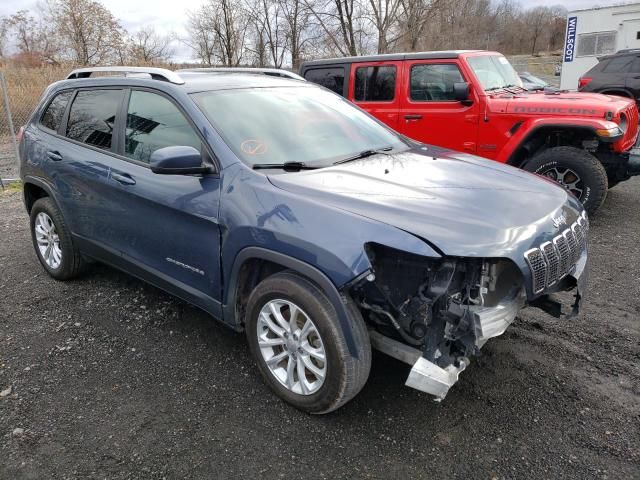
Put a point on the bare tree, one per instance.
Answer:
(202, 39)
(538, 20)
(218, 32)
(384, 16)
(270, 28)
(339, 21)
(296, 16)
(90, 32)
(147, 46)
(32, 36)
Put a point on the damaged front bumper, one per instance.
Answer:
(488, 322)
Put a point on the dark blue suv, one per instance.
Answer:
(283, 210)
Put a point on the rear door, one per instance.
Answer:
(374, 87)
(429, 112)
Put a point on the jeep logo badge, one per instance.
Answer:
(559, 220)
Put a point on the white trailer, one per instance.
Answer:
(594, 32)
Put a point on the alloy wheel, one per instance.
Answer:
(566, 177)
(291, 347)
(48, 240)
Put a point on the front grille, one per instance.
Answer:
(551, 261)
(629, 137)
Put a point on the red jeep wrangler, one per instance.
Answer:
(473, 101)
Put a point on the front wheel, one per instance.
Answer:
(299, 346)
(576, 170)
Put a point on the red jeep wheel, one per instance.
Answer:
(575, 169)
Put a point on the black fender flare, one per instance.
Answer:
(513, 159)
(303, 268)
(41, 183)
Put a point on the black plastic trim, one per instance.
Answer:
(310, 272)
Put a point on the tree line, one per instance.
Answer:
(282, 33)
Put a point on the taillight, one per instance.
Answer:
(583, 82)
(20, 134)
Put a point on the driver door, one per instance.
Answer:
(429, 112)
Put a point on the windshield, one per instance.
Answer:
(494, 72)
(293, 124)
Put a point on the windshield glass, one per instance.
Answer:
(293, 124)
(494, 72)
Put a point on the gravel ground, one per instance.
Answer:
(111, 378)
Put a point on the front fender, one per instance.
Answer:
(530, 128)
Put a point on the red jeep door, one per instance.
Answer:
(374, 88)
(429, 112)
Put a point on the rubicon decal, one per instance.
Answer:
(561, 110)
(570, 42)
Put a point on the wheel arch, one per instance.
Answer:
(548, 136)
(618, 91)
(34, 189)
(254, 264)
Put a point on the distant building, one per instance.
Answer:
(594, 32)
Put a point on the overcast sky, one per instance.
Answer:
(170, 15)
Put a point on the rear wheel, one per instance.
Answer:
(52, 241)
(298, 344)
(576, 170)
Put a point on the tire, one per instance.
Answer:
(70, 263)
(570, 162)
(344, 376)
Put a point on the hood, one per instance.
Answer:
(565, 103)
(461, 204)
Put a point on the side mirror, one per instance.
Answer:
(461, 93)
(179, 160)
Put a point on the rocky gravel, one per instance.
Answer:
(106, 377)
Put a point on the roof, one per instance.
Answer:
(390, 57)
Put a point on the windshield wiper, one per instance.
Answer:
(364, 154)
(286, 166)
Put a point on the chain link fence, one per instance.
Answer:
(20, 90)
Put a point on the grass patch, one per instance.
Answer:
(12, 187)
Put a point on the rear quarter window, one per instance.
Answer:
(618, 65)
(52, 116)
(92, 117)
(331, 78)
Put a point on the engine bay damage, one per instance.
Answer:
(435, 313)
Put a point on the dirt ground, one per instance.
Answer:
(106, 377)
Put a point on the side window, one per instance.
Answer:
(375, 84)
(52, 116)
(331, 78)
(154, 122)
(434, 82)
(619, 65)
(92, 116)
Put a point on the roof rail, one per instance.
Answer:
(274, 72)
(155, 73)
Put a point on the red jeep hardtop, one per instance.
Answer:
(474, 101)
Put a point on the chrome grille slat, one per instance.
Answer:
(551, 261)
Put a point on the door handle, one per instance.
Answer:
(54, 155)
(123, 178)
(413, 117)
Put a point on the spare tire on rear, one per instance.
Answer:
(576, 170)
